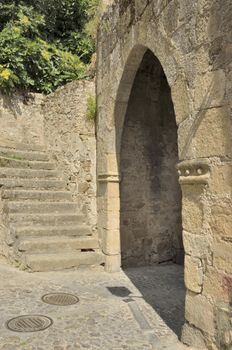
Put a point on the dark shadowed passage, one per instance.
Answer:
(150, 195)
(151, 229)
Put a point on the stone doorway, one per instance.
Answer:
(150, 195)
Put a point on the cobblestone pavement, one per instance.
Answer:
(111, 314)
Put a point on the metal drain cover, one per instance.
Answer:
(62, 299)
(29, 323)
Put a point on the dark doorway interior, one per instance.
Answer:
(150, 223)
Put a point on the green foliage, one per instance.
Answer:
(62, 16)
(81, 44)
(95, 10)
(91, 112)
(44, 43)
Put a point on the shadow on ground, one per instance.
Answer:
(162, 286)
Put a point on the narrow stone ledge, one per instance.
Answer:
(109, 177)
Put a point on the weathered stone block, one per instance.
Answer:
(170, 17)
(113, 190)
(220, 179)
(113, 204)
(217, 285)
(140, 6)
(221, 219)
(21, 120)
(102, 189)
(222, 253)
(181, 99)
(193, 336)
(224, 326)
(112, 263)
(83, 187)
(196, 245)
(112, 164)
(111, 242)
(209, 90)
(192, 208)
(113, 221)
(195, 140)
(193, 275)
(200, 312)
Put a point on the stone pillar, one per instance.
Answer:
(109, 215)
(194, 177)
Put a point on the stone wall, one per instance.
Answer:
(70, 139)
(192, 41)
(21, 120)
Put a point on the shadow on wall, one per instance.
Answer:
(16, 102)
(212, 92)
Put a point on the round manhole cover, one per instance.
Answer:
(62, 299)
(29, 323)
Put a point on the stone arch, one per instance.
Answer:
(170, 246)
(124, 90)
(196, 63)
(150, 195)
(132, 64)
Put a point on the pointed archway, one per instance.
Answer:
(150, 195)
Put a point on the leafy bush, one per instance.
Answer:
(81, 44)
(45, 45)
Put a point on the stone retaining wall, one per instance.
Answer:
(70, 139)
(21, 120)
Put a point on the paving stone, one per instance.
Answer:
(101, 320)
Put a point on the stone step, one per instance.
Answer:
(60, 261)
(23, 155)
(41, 207)
(16, 163)
(29, 173)
(21, 146)
(57, 244)
(70, 230)
(46, 219)
(30, 184)
(37, 195)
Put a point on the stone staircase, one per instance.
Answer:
(44, 229)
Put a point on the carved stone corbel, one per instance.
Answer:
(193, 172)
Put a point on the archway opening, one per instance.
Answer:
(150, 195)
